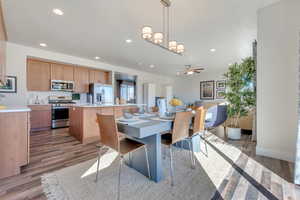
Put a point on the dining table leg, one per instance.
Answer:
(138, 159)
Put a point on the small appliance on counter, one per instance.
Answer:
(100, 94)
(60, 110)
(58, 85)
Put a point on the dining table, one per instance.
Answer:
(147, 129)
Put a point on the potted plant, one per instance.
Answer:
(240, 94)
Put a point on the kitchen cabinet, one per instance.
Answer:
(40, 117)
(97, 76)
(38, 75)
(62, 72)
(14, 142)
(3, 39)
(81, 78)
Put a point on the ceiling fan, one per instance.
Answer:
(189, 70)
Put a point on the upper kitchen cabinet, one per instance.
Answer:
(3, 39)
(38, 75)
(81, 78)
(62, 72)
(98, 76)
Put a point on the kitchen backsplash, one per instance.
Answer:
(42, 97)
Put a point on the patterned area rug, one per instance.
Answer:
(77, 182)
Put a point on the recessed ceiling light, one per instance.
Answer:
(128, 41)
(97, 57)
(43, 44)
(213, 50)
(57, 11)
(151, 66)
(177, 73)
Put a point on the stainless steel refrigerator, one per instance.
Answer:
(100, 93)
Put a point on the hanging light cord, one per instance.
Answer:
(168, 25)
(164, 23)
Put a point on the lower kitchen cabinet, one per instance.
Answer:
(14, 142)
(40, 117)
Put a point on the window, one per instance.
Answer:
(127, 93)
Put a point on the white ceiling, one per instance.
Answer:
(100, 27)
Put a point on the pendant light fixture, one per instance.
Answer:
(162, 39)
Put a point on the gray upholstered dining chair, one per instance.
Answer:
(180, 132)
(110, 137)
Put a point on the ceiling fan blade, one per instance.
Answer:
(201, 68)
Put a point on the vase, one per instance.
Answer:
(234, 133)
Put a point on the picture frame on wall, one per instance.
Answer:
(10, 86)
(221, 85)
(207, 90)
(220, 94)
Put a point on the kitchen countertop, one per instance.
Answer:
(104, 105)
(15, 109)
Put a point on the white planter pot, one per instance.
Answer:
(234, 133)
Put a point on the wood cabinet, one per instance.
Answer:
(81, 78)
(97, 76)
(38, 75)
(40, 117)
(14, 142)
(62, 72)
(3, 39)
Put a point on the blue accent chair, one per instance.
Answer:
(215, 116)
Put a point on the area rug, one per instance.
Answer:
(77, 182)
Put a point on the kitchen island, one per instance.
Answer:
(83, 119)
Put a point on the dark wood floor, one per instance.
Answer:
(49, 151)
(53, 150)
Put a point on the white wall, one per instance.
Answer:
(16, 66)
(278, 39)
(187, 88)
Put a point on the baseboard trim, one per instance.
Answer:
(288, 156)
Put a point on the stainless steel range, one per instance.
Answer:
(60, 110)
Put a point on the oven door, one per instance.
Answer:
(60, 117)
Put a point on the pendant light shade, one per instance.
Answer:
(158, 38)
(147, 32)
(180, 48)
(173, 45)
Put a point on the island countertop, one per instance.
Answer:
(15, 109)
(105, 105)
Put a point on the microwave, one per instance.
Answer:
(58, 85)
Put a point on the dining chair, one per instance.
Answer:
(198, 130)
(110, 137)
(179, 133)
